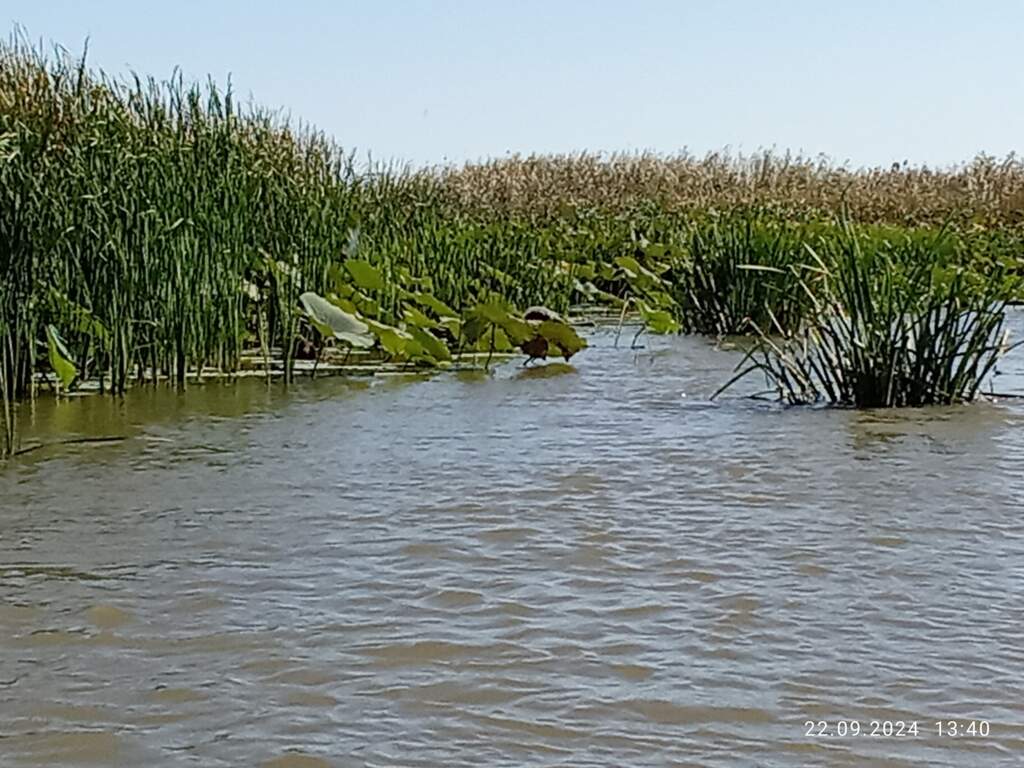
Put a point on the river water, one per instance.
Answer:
(592, 566)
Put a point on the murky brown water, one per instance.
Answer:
(584, 569)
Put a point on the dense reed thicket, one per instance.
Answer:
(143, 219)
(151, 228)
(986, 191)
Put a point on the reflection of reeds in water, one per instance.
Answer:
(889, 332)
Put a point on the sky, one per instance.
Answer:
(447, 81)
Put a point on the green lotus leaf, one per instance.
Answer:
(497, 313)
(334, 321)
(656, 250)
(365, 275)
(405, 278)
(433, 346)
(394, 341)
(636, 273)
(418, 319)
(563, 336)
(344, 304)
(493, 312)
(629, 265)
(658, 300)
(594, 293)
(502, 343)
(366, 305)
(452, 324)
(474, 328)
(497, 343)
(658, 320)
(433, 303)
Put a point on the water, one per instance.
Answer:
(549, 567)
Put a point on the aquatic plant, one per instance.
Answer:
(159, 228)
(153, 229)
(985, 191)
(891, 326)
(736, 270)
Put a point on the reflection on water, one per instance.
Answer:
(592, 566)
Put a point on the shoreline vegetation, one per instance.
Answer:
(152, 230)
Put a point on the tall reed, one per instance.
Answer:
(162, 227)
(737, 271)
(892, 325)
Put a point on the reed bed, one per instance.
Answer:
(891, 325)
(986, 191)
(150, 228)
(740, 271)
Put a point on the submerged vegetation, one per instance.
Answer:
(150, 230)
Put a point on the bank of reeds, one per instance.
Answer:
(985, 191)
(138, 216)
(160, 227)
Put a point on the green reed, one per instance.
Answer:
(892, 325)
(737, 269)
(162, 228)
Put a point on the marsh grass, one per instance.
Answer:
(986, 190)
(890, 326)
(737, 269)
(160, 227)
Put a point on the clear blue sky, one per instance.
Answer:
(869, 82)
